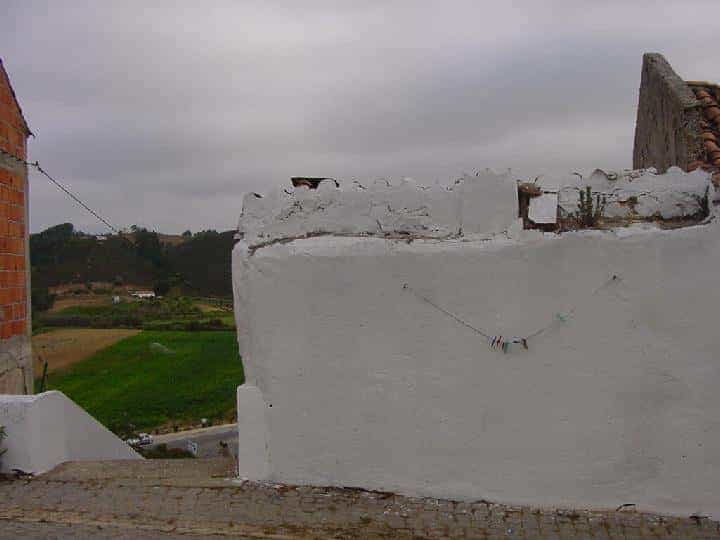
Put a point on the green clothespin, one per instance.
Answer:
(561, 317)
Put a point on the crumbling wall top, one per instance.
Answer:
(481, 204)
(478, 206)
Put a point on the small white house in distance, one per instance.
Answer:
(143, 294)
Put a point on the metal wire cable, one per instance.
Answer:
(75, 198)
(57, 184)
(451, 315)
(493, 340)
(571, 312)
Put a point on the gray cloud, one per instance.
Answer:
(165, 115)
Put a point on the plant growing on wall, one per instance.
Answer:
(589, 212)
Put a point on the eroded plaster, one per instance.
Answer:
(472, 205)
(354, 380)
(642, 194)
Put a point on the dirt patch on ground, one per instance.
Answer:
(80, 300)
(67, 346)
(205, 308)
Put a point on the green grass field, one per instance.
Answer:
(135, 385)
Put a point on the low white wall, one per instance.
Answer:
(354, 380)
(47, 429)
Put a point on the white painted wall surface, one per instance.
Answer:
(357, 382)
(252, 425)
(47, 429)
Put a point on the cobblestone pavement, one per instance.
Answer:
(200, 499)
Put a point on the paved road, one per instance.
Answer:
(200, 498)
(207, 439)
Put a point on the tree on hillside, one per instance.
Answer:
(161, 287)
(199, 265)
(45, 247)
(41, 299)
(149, 247)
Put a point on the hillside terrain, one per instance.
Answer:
(154, 379)
(64, 347)
(157, 363)
(197, 264)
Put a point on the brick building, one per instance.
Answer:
(15, 357)
(678, 121)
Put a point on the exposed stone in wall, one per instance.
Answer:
(14, 256)
(11, 380)
(642, 195)
(16, 366)
(473, 206)
(668, 118)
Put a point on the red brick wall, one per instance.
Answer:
(13, 216)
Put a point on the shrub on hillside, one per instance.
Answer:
(102, 291)
(161, 451)
(161, 314)
(41, 299)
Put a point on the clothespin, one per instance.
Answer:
(524, 343)
(505, 347)
(561, 317)
(496, 342)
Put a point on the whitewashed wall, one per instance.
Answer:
(353, 380)
(47, 429)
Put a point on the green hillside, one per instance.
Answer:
(198, 264)
(127, 386)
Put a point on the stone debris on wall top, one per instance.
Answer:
(473, 206)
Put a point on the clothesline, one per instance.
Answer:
(499, 341)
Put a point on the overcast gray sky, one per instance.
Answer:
(165, 115)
